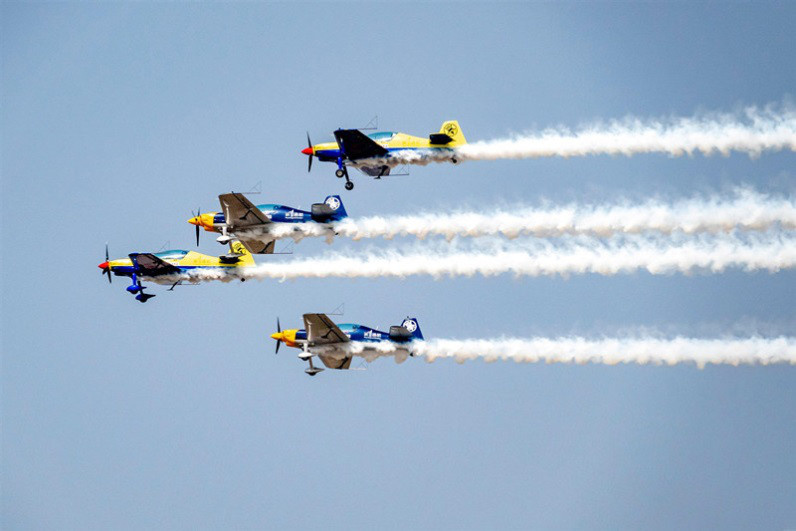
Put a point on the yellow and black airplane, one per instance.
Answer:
(376, 153)
(173, 267)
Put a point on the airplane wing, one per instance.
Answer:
(375, 171)
(150, 265)
(322, 331)
(333, 363)
(356, 145)
(240, 213)
(257, 246)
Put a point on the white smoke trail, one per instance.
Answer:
(611, 351)
(743, 210)
(753, 131)
(608, 351)
(570, 255)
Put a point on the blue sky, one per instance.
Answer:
(119, 119)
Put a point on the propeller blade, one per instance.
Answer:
(309, 145)
(279, 330)
(107, 270)
(198, 214)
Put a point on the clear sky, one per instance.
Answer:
(119, 119)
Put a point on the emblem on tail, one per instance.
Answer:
(410, 323)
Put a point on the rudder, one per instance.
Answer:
(336, 204)
(411, 324)
(245, 258)
(452, 129)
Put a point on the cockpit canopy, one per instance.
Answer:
(382, 136)
(174, 254)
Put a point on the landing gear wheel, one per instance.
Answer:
(349, 185)
(339, 174)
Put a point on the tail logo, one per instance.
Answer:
(333, 203)
(410, 324)
(451, 130)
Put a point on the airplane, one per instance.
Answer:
(258, 227)
(375, 153)
(336, 345)
(172, 267)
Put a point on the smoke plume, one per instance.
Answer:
(770, 251)
(753, 131)
(742, 210)
(612, 351)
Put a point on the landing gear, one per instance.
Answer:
(342, 171)
(313, 370)
(136, 286)
(306, 355)
(143, 297)
(224, 238)
(138, 290)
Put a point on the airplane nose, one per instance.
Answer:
(103, 265)
(307, 151)
(204, 220)
(277, 336)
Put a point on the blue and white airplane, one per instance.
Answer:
(336, 345)
(259, 226)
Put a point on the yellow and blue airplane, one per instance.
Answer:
(173, 267)
(336, 345)
(258, 227)
(375, 153)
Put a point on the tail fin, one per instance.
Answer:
(336, 205)
(452, 129)
(245, 258)
(410, 323)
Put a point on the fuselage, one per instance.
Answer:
(184, 260)
(214, 221)
(391, 141)
(354, 332)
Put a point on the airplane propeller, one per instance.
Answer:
(279, 331)
(107, 270)
(197, 216)
(309, 152)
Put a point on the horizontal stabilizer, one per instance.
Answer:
(321, 210)
(400, 334)
(439, 138)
